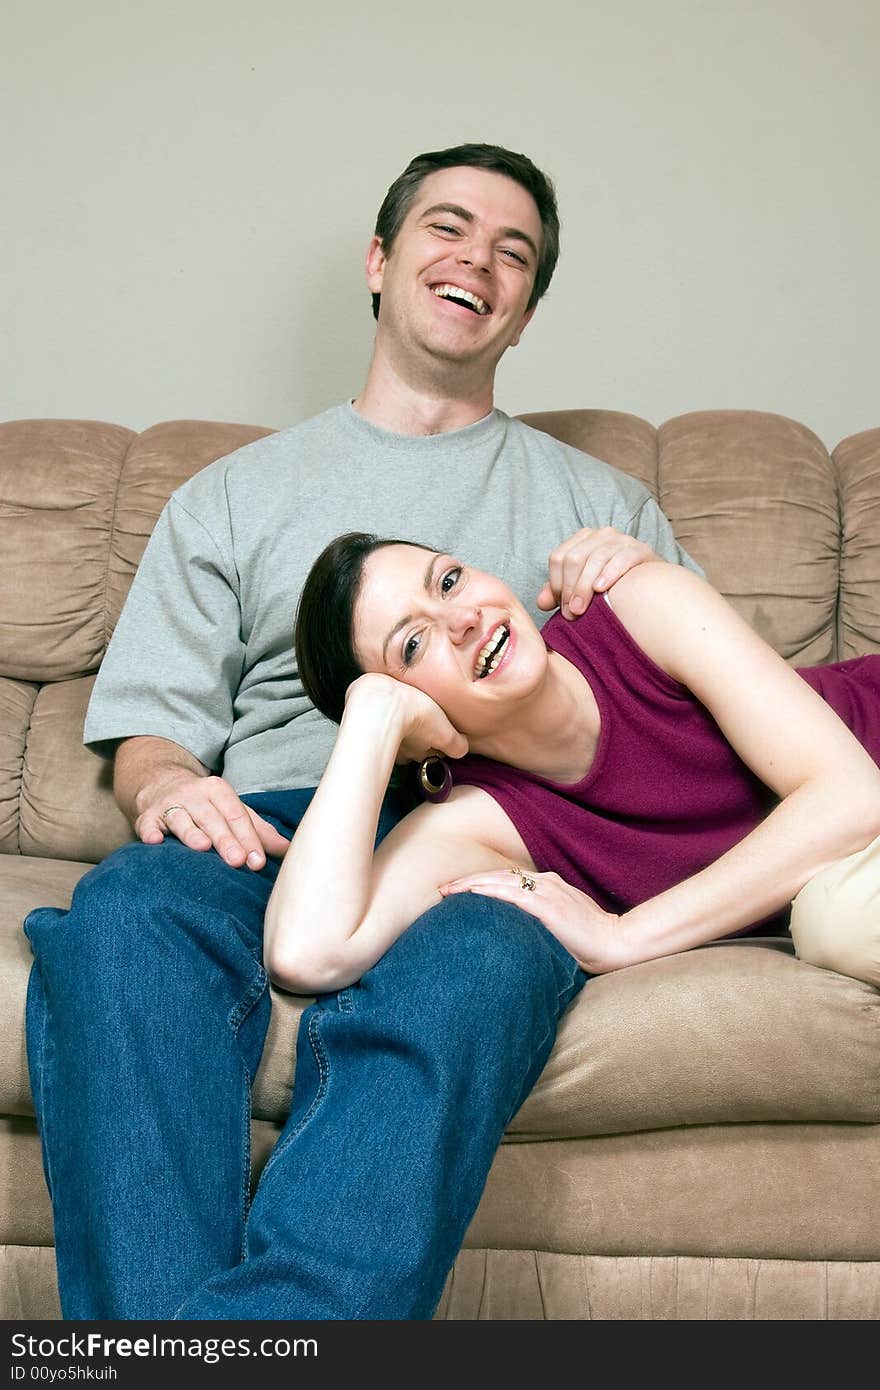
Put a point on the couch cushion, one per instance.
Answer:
(735, 1031)
(80, 499)
(739, 1031)
(56, 797)
(753, 498)
(858, 465)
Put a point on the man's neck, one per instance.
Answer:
(404, 404)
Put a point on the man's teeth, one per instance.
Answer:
(453, 292)
(491, 653)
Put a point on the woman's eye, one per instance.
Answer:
(449, 580)
(410, 647)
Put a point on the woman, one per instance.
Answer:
(646, 778)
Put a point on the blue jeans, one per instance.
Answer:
(147, 1012)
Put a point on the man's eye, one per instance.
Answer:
(440, 227)
(513, 255)
(449, 580)
(410, 647)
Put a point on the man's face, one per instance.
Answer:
(457, 282)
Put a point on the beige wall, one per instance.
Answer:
(189, 187)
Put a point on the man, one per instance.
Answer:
(148, 1004)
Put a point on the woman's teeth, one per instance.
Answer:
(491, 653)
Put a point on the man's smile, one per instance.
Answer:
(465, 299)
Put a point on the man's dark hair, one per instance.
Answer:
(400, 196)
(323, 635)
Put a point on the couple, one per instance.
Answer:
(148, 1002)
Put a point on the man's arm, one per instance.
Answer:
(164, 695)
(162, 788)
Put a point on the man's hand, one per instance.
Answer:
(206, 813)
(590, 561)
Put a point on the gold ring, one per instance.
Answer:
(525, 880)
(168, 809)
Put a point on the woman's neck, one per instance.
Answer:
(553, 734)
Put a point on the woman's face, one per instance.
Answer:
(457, 634)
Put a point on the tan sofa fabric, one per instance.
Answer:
(56, 796)
(78, 500)
(733, 1032)
(535, 1284)
(731, 480)
(58, 493)
(67, 805)
(858, 464)
(28, 1287)
(25, 1211)
(777, 1191)
(17, 699)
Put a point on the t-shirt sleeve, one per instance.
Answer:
(651, 525)
(175, 659)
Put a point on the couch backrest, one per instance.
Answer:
(788, 532)
(78, 500)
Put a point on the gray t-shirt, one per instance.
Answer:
(203, 651)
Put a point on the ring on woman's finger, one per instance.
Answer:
(525, 880)
(168, 811)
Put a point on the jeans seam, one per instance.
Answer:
(323, 1064)
(246, 1165)
(239, 1013)
(44, 1091)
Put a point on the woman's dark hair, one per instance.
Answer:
(323, 635)
(400, 196)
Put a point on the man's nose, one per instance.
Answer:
(476, 251)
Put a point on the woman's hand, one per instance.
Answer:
(586, 931)
(420, 725)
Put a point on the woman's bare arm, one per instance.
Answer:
(828, 785)
(336, 906)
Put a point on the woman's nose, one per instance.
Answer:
(463, 620)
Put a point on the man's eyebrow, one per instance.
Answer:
(508, 233)
(427, 582)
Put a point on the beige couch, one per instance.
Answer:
(705, 1139)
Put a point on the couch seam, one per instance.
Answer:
(25, 743)
(111, 531)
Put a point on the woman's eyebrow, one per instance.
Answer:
(427, 582)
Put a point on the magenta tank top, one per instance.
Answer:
(666, 794)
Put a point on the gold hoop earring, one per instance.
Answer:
(435, 779)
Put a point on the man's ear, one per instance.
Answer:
(375, 265)
(524, 322)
